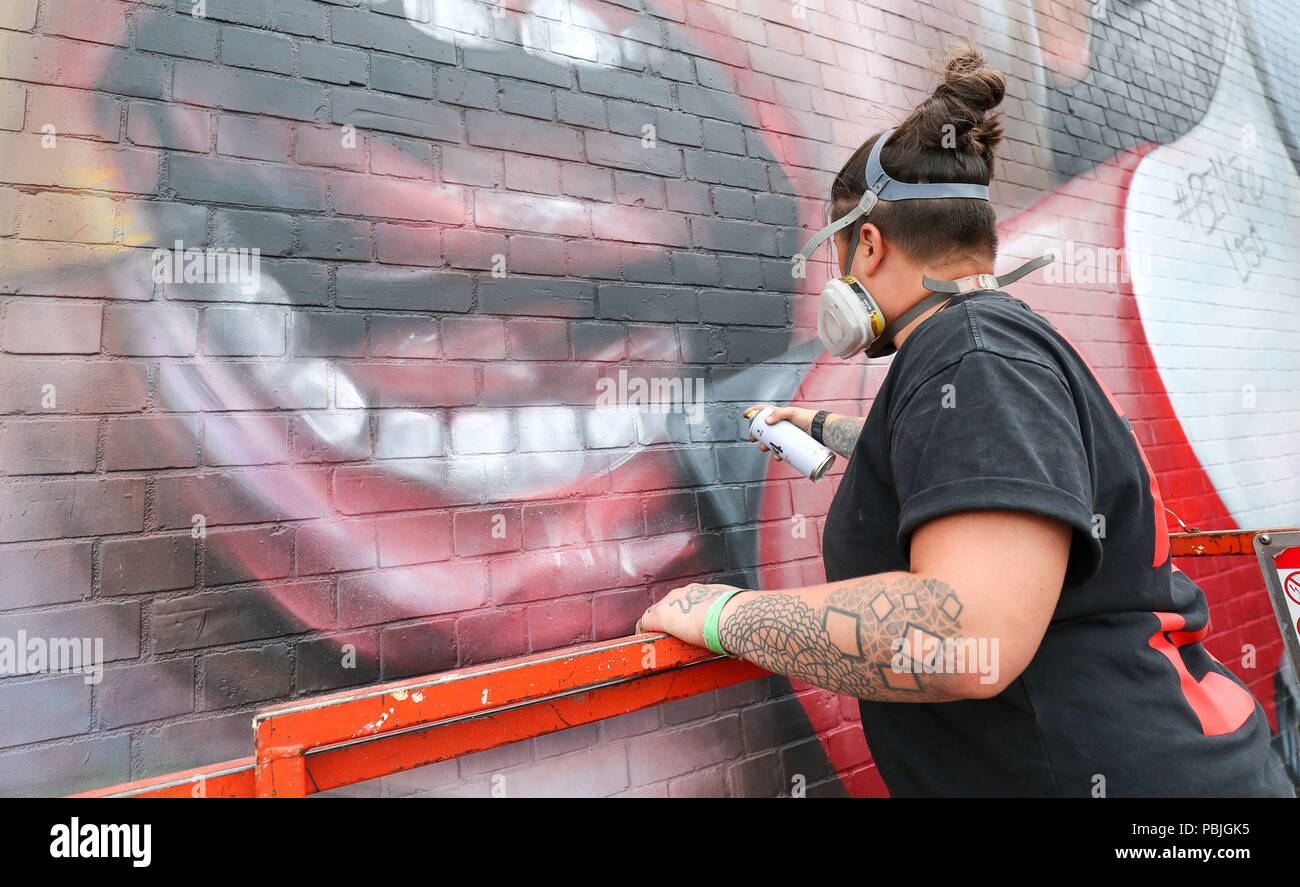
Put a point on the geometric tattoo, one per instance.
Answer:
(847, 644)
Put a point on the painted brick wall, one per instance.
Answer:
(386, 453)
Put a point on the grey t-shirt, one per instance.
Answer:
(988, 406)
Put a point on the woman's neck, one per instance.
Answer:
(943, 271)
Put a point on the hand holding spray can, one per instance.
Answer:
(788, 441)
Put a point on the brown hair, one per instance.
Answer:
(949, 137)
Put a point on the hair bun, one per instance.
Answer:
(950, 137)
(957, 114)
(973, 82)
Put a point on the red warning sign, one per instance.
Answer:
(1279, 560)
(1291, 585)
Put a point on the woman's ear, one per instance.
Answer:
(871, 249)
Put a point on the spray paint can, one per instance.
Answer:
(788, 441)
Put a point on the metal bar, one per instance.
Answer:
(1279, 562)
(388, 708)
(410, 723)
(281, 770)
(356, 762)
(230, 779)
(1219, 543)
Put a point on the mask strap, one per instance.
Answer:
(883, 346)
(855, 233)
(882, 186)
(865, 206)
(887, 187)
(985, 281)
(943, 291)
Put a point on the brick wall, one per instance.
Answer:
(385, 453)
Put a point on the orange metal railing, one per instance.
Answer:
(347, 737)
(342, 738)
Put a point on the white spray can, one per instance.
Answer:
(788, 441)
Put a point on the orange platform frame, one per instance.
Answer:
(312, 745)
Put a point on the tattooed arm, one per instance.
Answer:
(962, 625)
(871, 638)
(839, 433)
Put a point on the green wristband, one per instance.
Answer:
(711, 623)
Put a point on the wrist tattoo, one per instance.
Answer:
(695, 595)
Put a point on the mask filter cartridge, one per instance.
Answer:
(848, 319)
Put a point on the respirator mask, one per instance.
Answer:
(848, 319)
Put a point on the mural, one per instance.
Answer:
(351, 342)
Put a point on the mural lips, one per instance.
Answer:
(398, 426)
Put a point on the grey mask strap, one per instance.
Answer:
(985, 281)
(888, 188)
(865, 205)
(942, 291)
(883, 346)
(880, 186)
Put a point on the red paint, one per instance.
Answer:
(1219, 703)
